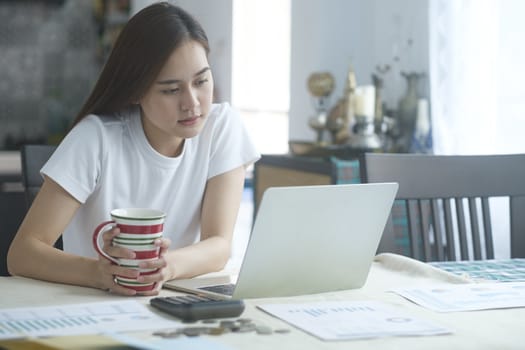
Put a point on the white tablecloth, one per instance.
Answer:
(489, 329)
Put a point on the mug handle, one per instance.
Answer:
(96, 240)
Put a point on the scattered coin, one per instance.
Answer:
(282, 330)
(173, 334)
(245, 328)
(169, 334)
(194, 331)
(163, 333)
(242, 325)
(160, 333)
(263, 330)
(216, 331)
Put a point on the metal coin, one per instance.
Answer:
(282, 330)
(163, 333)
(245, 328)
(194, 331)
(172, 335)
(263, 330)
(168, 334)
(216, 331)
(160, 333)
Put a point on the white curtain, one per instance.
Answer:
(477, 59)
(477, 75)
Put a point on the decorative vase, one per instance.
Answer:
(407, 109)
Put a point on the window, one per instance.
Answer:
(261, 70)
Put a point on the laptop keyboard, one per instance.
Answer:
(226, 289)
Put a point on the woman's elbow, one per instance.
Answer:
(13, 254)
(225, 255)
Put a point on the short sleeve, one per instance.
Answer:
(232, 146)
(76, 163)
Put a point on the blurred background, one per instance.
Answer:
(467, 53)
(447, 74)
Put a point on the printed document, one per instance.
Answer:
(467, 297)
(76, 319)
(345, 320)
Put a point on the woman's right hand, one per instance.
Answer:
(108, 270)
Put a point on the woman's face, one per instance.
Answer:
(175, 106)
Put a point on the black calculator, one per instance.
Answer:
(197, 307)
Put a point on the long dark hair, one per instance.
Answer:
(139, 53)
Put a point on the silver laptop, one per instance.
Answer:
(305, 240)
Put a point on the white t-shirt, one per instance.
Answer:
(107, 163)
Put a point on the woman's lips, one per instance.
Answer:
(189, 121)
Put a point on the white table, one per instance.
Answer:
(491, 329)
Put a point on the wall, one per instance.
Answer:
(216, 17)
(325, 35)
(329, 34)
(47, 67)
(49, 63)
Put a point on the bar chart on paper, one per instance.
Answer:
(75, 319)
(345, 320)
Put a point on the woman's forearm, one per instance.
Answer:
(30, 257)
(208, 255)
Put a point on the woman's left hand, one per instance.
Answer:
(160, 264)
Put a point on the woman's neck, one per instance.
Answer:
(163, 143)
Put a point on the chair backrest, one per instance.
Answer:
(33, 158)
(447, 201)
(12, 212)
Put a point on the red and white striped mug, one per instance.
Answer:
(139, 227)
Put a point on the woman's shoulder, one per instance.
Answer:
(106, 120)
(104, 123)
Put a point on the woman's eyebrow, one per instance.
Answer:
(175, 81)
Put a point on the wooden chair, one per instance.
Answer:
(447, 201)
(12, 212)
(33, 158)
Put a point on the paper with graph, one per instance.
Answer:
(344, 320)
(74, 319)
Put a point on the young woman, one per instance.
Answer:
(147, 136)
